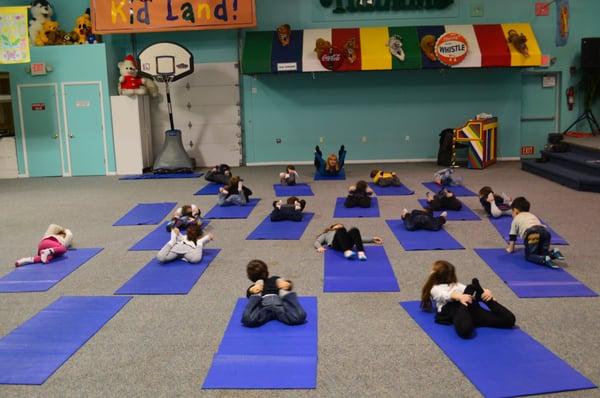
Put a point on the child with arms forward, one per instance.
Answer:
(344, 241)
(457, 304)
(269, 298)
(289, 176)
(443, 200)
(220, 174)
(494, 205)
(185, 216)
(291, 210)
(535, 235)
(188, 247)
(235, 193)
(359, 195)
(385, 178)
(422, 219)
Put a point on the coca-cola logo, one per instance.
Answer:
(332, 58)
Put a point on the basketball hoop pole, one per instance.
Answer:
(169, 107)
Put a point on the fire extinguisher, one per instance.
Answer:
(570, 98)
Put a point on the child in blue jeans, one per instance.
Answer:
(536, 236)
(446, 177)
(270, 298)
(234, 194)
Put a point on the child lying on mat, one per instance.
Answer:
(220, 174)
(334, 164)
(447, 178)
(494, 205)
(54, 243)
(235, 193)
(291, 210)
(185, 216)
(359, 195)
(535, 235)
(422, 219)
(336, 237)
(443, 200)
(289, 176)
(385, 178)
(270, 298)
(457, 304)
(187, 247)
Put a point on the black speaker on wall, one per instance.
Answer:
(590, 52)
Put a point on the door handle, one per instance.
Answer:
(55, 136)
(71, 135)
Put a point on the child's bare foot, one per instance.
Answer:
(23, 261)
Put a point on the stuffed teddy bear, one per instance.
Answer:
(49, 28)
(41, 11)
(130, 83)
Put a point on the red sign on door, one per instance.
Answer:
(38, 106)
(527, 150)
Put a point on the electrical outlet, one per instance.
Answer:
(278, 140)
(542, 9)
(477, 10)
(407, 138)
(321, 140)
(364, 138)
(254, 90)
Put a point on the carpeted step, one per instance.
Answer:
(563, 175)
(586, 162)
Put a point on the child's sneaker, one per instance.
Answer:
(555, 254)
(444, 214)
(548, 262)
(362, 256)
(349, 254)
(44, 254)
(23, 261)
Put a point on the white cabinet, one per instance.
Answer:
(132, 133)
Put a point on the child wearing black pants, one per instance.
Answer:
(359, 195)
(291, 210)
(220, 174)
(443, 200)
(270, 298)
(423, 219)
(338, 238)
(457, 304)
(536, 236)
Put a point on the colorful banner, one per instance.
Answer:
(14, 35)
(131, 16)
(387, 48)
(562, 23)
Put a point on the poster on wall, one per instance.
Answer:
(562, 24)
(133, 16)
(14, 35)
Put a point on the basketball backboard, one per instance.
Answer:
(166, 60)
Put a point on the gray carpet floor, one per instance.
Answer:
(368, 345)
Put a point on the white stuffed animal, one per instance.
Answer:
(41, 11)
(129, 81)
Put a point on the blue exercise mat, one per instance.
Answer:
(156, 239)
(281, 230)
(234, 211)
(209, 189)
(373, 275)
(272, 356)
(422, 239)
(457, 191)
(464, 214)
(502, 225)
(161, 176)
(41, 277)
(32, 352)
(401, 190)
(175, 277)
(293, 190)
(501, 362)
(530, 280)
(146, 214)
(340, 176)
(342, 212)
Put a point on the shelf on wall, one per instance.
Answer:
(488, 46)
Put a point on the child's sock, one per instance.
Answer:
(24, 261)
(469, 290)
(362, 256)
(318, 150)
(349, 254)
(44, 254)
(478, 288)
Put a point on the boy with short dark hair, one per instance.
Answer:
(270, 298)
(536, 236)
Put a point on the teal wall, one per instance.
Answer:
(388, 106)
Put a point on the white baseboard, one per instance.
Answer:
(22, 175)
(305, 162)
(111, 173)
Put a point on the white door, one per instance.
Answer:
(206, 108)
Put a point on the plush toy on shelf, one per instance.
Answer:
(49, 29)
(130, 83)
(41, 11)
(518, 41)
(83, 28)
(396, 47)
(284, 34)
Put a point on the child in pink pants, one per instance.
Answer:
(54, 243)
